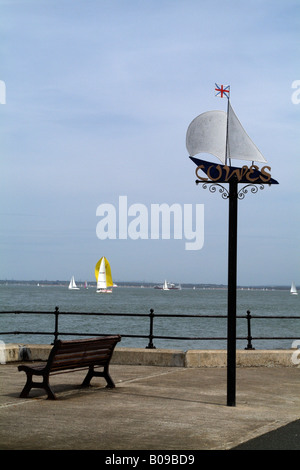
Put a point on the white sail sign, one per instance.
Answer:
(210, 131)
(207, 134)
(239, 144)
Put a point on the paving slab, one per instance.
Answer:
(151, 408)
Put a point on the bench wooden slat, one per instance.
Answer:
(70, 355)
(81, 356)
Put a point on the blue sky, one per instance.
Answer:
(99, 96)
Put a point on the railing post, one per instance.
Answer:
(56, 313)
(150, 344)
(249, 337)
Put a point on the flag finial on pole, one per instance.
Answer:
(221, 90)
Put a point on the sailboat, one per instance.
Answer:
(72, 285)
(103, 276)
(165, 286)
(293, 290)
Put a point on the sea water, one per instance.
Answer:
(138, 300)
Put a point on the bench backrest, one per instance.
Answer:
(82, 353)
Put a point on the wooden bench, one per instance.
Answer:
(75, 354)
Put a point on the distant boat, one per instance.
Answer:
(293, 290)
(168, 286)
(85, 285)
(103, 276)
(72, 285)
(173, 287)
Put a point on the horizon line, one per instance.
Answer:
(141, 283)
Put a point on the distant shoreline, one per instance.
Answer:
(141, 284)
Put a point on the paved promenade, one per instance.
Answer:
(154, 408)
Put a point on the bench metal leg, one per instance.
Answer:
(31, 384)
(88, 377)
(27, 386)
(92, 373)
(109, 380)
(46, 386)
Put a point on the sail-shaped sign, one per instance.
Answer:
(212, 131)
(103, 276)
(239, 144)
(207, 134)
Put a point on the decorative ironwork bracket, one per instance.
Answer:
(213, 186)
(253, 189)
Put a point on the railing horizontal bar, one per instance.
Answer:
(146, 315)
(150, 316)
(200, 338)
(26, 333)
(61, 333)
(118, 314)
(189, 337)
(78, 313)
(266, 317)
(27, 311)
(274, 337)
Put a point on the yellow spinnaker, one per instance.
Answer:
(109, 281)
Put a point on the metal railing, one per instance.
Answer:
(151, 316)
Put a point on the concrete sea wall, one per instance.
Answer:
(164, 357)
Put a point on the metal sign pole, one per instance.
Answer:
(253, 179)
(231, 300)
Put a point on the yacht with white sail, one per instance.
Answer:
(103, 276)
(72, 285)
(293, 290)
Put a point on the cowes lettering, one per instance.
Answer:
(224, 173)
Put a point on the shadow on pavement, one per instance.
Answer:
(284, 438)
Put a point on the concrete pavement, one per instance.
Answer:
(153, 408)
